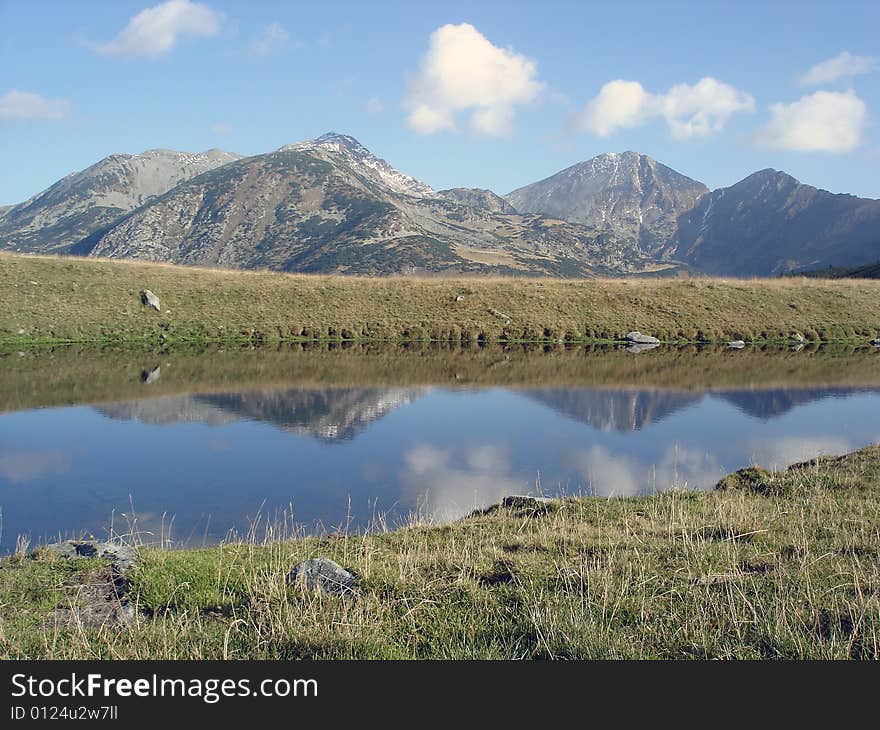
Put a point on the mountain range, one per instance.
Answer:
(335, 415)
(330, 205)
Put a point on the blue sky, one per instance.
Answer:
(476, 94)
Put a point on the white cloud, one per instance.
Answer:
(375, 105)
(445, 489)
(618, 104)
(689, 110)
(703, 108)
(606, 474)
(271, 39)
(618, 475)
(25, 106)
(782, 452)
(842, 66)
(463, 72)
(826, 121)
(156, 30)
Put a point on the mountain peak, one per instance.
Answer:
(627, 194)
(76, 205)
(345, 140)
(769, 177)
(362, 160)
(333, 141)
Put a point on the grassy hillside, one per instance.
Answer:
(770, 565)
(50, 299)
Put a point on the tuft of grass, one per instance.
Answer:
(54, 300)
(787, 571)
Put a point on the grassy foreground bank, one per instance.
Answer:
(769, 565)
(48, 299)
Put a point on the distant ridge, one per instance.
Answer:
(75, 206)
(330, 205)
(770, 223)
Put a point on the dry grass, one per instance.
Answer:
(777, 565)
(50, 299)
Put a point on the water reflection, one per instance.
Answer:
(209, 455)
(332, 414)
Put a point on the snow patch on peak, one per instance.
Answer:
(363, 161)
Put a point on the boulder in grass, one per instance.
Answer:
(150, 300)
(522, 504)
(639, 339)
(121, 556)
(736, 344)
(325, 576)
(148, 377)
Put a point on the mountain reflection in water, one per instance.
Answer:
(209, 442)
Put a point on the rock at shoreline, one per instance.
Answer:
(150, 300)
(639, 339)
(148, 377)
(324, 576)
(122, 556)
(736, 344)
(521, 503)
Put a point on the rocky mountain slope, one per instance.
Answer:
(770, 223)
(478, 198)
(77, 205)
(628, 195)
(329, 205)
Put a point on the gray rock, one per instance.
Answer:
(150, 300)
(325, 576)
(148, 377)
(97, 599)
(523, 503)
(736, 344)
(636, 348)
(797, 337)
(460, 298)
(499, 313)
(639, 339)
(876, 342)
(121, 556)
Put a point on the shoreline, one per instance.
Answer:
(73, 375)
(629, 577)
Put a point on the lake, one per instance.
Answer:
(200, 446)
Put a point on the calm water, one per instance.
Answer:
(343, 454)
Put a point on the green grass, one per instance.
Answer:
(52, 300)
(774, 565)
